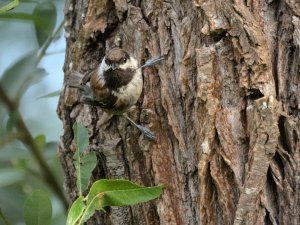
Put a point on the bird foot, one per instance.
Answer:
(148, 133)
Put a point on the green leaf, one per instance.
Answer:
(38, 209)
(81, 138)
(34, 77)
(110, 193)
(132, 196)
(46, 15)
(76, 211)
(117, 193)
(15, 76)
(40, 141)
(9, 6)
(84, 164)
(89, 162)
(50, 95)
(122, 192)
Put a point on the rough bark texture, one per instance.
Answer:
(224, 106)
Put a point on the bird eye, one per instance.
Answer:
(124, 60)
(107, 62)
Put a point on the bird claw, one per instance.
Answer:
(148, 133)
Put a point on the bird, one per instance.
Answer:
(116, 85)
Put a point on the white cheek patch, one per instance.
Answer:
(131, 63)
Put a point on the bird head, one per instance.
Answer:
(117, 58)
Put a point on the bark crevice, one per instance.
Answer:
(224, 105)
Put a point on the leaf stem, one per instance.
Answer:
(27, 139)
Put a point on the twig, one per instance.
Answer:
(6, 222)
(48, 42)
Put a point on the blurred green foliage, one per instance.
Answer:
(38, 208)
(28, 160)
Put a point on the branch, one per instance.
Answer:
(6, 222)
(27, 139)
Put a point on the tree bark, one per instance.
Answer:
(224, 105)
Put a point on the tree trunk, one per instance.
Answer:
(224, 105)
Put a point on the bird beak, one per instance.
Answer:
(113, 66)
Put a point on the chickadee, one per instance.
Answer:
(116, 85)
